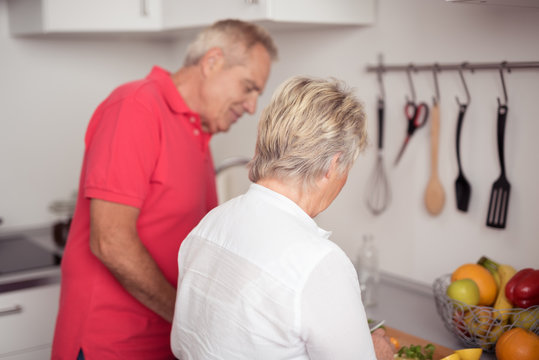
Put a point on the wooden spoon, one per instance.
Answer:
(434, 194)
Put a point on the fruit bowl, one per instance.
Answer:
(480, 326)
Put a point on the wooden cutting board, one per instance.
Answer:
(406, 339)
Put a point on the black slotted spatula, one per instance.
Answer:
(499, 195)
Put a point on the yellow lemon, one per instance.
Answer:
(470, 354)
(453, 356)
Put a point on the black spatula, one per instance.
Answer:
(463, 189)
(499, 196)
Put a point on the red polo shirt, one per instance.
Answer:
(144, 148)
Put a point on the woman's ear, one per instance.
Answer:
(333, 166)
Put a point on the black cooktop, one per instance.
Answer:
(18, 253)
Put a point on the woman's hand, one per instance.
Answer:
(382, 346)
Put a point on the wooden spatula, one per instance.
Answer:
(499, 196)
(434, 193)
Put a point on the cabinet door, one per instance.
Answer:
(64, 16)
(353, 12)
(104, 15)
(27, 320)
(178, 14)
(189, 14)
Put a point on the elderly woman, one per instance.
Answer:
(258, 278)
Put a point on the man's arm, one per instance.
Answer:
(115, 242)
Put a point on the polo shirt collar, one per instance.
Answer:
(170, 92)
(176, 103)
(287, 205)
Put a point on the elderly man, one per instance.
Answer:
(258, 278)
(147, 179)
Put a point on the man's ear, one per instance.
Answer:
(212, 60)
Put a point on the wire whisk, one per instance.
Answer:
(378, 190)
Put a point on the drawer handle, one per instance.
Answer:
(15, 309)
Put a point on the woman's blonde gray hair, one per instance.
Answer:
(234, 37)
(306, 124)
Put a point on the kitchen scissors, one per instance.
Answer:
(417, 115)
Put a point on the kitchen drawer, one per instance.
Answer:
(27, 319)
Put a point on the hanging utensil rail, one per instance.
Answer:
(461, 66)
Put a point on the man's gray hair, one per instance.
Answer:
(307, 122)
(234, 37)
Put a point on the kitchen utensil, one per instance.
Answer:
(375, 324)
(378, 191)
(499, 196)
(417, 115)
(463, 190)
(434, 194)
(65, 208)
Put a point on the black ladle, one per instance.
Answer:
(463, 190)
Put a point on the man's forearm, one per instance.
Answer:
(115, 242)
(138, 273)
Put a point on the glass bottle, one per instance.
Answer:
(368, 270)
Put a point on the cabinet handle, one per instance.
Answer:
(251, 2)
(10, 310)
(144, 8)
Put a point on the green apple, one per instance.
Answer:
(464, 290)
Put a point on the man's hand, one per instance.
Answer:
(114, 241)
(382, 346)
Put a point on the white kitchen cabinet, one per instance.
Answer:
(275, 12)
(27, 320)
(83, 16)
(154, 16)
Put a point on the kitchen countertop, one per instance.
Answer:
(409, 306)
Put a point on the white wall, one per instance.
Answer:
(412, 243)
(49, 88)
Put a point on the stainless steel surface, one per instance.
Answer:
(33, 277)
(19, 253)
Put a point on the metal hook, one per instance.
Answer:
(410, 67)
(503, 66)
(436, 99)
(468, 98)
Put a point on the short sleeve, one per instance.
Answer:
(122, 153)
(334, 323)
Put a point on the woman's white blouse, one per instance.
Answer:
(258, 279)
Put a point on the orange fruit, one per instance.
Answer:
(517, 343)
(482, 277)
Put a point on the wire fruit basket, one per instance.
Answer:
(480, 326)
